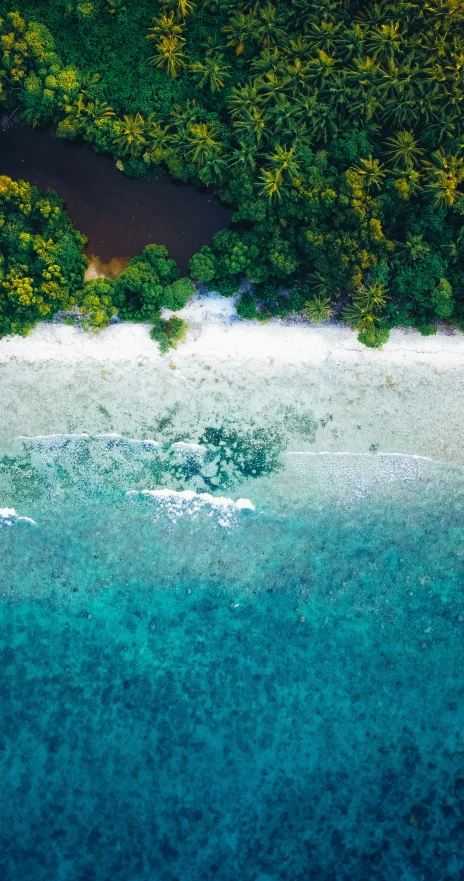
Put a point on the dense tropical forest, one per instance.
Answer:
(332, 126)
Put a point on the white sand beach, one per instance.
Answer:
(331, 393)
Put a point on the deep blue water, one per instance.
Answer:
(230, 694)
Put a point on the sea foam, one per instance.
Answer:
(8, 517)
(57, 441)
(176, 504)
(369, 455)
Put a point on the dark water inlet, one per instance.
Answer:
(119, 215)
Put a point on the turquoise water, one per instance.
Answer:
(198, 690)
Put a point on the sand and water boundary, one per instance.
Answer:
(330, 392)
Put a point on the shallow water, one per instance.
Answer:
(199, 690)
(118, 214)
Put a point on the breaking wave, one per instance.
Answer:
(9, 517)
(176, 504)
(58, 441)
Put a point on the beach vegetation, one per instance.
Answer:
(41, 257)
(334, 129)
(246, 306)
(168, 333)
(318, 309)
(42, 268)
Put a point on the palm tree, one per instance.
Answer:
(184, 115)
(83, 117)
(371, 172)
(324, 36)
(450, 12)
(271, 183)
(297, 75)
(452, 107)
(89, 86)
(321, 68)
(402, 82)
(99, 112)
(185, 7)
(324, 125)
(170, 54)
(285, 115)
(131, 137)
(428, 108)
(318, 309)
(78, 108)
(372, 15)
(322, 288)
(211, 72)
(31, 116)
(318, 10)
(244, 98)
(296, 47)
(284, 161)
(245, 157)
(215, 169)
(241, 30)
(364, 73)
(269, 59)
(339, 95)
(363, 312)
(270, 30)
(159, 139)
(165, 26)
(385, 41)
(304, 110)
(414, 248)
(357, 317)
(371, 297)
(270, 86)
(252, 123)
(404, 151)
(351, 44)
(201, 143)
(182, 8)
(445, 173)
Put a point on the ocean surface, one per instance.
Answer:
(224, 661)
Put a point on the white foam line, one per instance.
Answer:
(177, 503)
(85, 435)
(189, 496)
(182, 445)
(361, 455)
(40, 437)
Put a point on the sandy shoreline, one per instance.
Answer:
(319, 386)
(216, 331)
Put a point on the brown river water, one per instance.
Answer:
(118, 214)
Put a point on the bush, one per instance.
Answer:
(374, 338)
(227, 287)
(246, 306)
(427, 329)
(139, 292)
(175, 295)
(202, 266)
(96, 303)
(442, 299)
(168, 333)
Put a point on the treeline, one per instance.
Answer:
(333, 127)
(42, 268)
